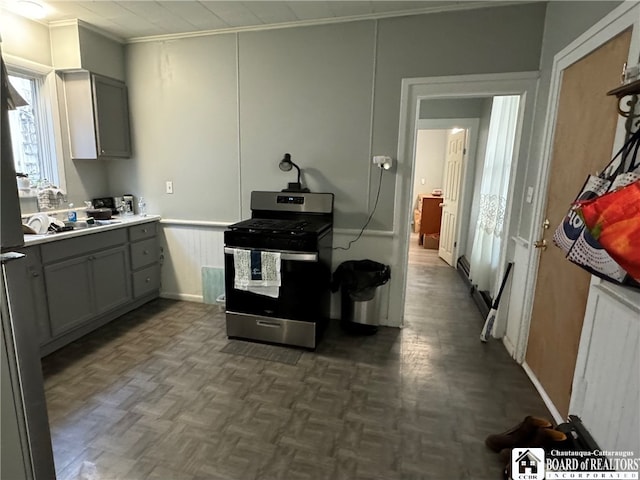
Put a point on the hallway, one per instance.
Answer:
(152, 396)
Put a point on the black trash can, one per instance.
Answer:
(358, 281)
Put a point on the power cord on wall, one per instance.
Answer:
(375, 205)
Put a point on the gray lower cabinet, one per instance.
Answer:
(81, 283)
(81, 288)
(69, 293)
(145, 259)
(111, 284)
(37, 293)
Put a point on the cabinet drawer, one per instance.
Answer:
(75, 247)
(144, 252)
(145, 230)
(146, 280)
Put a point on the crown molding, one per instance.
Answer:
(88, 26)
(329, 21)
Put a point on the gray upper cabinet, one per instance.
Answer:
(111, 112)
(97, 116)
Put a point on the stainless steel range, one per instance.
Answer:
(278, 269)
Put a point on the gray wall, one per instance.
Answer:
(215, 116)
(307, 91)
(564, 22)
(25, 38)
(184, 122)
(431, 150)
(451, 108)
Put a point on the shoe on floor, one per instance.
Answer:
(519, 435)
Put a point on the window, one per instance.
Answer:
(30, 127)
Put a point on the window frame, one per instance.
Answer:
(47, 110)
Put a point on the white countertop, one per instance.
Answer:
(119, 222)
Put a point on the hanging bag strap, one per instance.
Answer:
(613, 168)
(634, 163)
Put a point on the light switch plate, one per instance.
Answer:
(529, 197)
(169, 187)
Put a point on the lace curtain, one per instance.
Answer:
(488, 238)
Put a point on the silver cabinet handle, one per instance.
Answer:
(286, 255)
(263, 323)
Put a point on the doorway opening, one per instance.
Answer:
(461, 188)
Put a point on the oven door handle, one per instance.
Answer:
(286, 255)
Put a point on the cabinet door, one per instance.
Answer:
(39, 299)
(146, 280)
(111, 113)
(69, 292)
(110, 271)
(37, 293)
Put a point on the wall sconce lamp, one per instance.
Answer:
(286, 165)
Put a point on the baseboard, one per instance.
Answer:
(182, 296)
(509, 346)
(557, 417)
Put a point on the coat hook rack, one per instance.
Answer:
(628, 108)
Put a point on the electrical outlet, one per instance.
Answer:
(383, 161)
(169, 187)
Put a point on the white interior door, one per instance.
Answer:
(451, 193)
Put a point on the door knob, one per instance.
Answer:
(542, 244)
(546, 224)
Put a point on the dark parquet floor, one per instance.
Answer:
(151, 396)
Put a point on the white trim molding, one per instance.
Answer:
(557, 417)
(624, 16)
(195, 223)
(462, 86)
(450, 7)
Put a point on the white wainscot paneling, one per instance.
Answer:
(188, 248)
(374, 245)
(606, 385)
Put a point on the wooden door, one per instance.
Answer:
(451, 193)
(583, 142)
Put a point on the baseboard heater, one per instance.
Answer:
(481, 299)
(462, 266)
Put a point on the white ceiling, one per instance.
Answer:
(132, 19)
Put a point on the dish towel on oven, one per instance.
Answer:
(257, 271)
